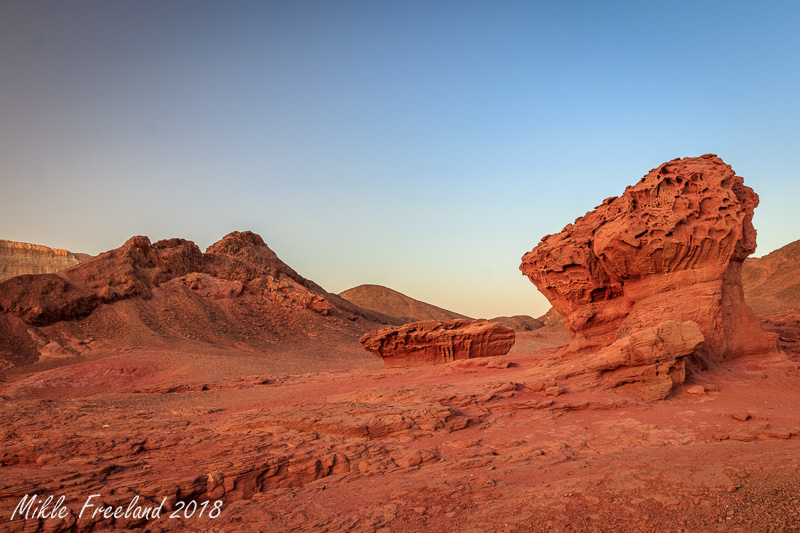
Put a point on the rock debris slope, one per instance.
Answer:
(772, 283)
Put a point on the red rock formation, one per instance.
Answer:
(432, 342)
(670, 248)
(649, 362)
(237, 293)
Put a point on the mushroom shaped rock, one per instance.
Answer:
(432, 342)
(670, 248)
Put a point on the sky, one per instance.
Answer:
(424, 146)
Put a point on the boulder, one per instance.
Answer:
(649, 363)
(669, 249)
(432, 342)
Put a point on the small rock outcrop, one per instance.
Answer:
(649, 362)
(645, 365)
(432, 342)
(670, 248)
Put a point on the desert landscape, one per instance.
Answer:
(399, 267)
(159, 387)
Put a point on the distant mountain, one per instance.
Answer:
(390, 302)
(551, 317)
(772, 283)
(519, 322)
(18, 258)
(396, 304)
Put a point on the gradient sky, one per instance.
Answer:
(425, 146)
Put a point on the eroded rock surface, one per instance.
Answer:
(456, 447)
(670, 248)
(432, 342)
(649, 362)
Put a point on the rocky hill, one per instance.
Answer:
(396, 304)
(18, 258)
(519, 322)
(238, 294)
(772, 283)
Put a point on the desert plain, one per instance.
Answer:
(229, 392)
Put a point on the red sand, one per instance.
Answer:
(454, 447)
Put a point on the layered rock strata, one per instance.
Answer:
(18, 258)
(649, 362)
(433, 342)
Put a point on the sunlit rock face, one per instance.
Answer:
(433, 342)
(19, 258)
(670, 248)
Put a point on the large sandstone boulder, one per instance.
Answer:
(670, 248)
(432, 342)
(649, 362)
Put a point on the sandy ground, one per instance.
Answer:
(355, 447)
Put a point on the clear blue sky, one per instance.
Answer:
(420, 145)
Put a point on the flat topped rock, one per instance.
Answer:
(20, 258)
(433, 342)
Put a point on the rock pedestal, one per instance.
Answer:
(670, 248)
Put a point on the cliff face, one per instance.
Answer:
(18, 258)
